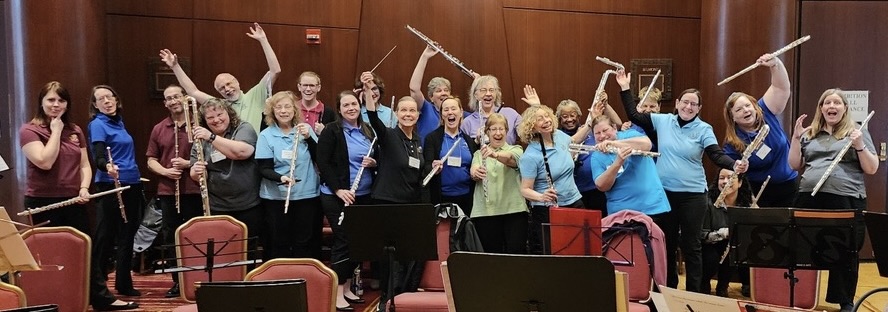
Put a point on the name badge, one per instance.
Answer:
(454, 161)
(413, 162)
(763, 151)
(287, 154)
(217, 156)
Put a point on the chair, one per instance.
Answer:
(626, 249)
(320, 279)
(432, 297)
(768, 285)
(69, 250)
(11, 297)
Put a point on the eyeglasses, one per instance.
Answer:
(496, 129)
(692, 104)
(309, 85)
(105, 98)
(485, 90)
(172, 98)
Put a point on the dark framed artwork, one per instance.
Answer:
(160, 76)
(646, 69)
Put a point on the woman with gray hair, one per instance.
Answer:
(486, 97)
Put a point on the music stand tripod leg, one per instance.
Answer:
(390, 252)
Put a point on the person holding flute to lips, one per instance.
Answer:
(343, 150)
(451, 182)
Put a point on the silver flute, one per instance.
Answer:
(775, 54)
(354, 186)
(117, 185)
(751, 147)
(611, 63)
(455, 61)
(292, 169)
(443, 159)
(839, 156)
(650, 86)
(69, 202)
(485, 140)
(586, 149)
(599, 91)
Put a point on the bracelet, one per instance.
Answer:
(860, 150)
(84, 187)
(212, 137)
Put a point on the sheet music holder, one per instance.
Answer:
(288, 295)
(574, 231)
(403, 232)
(14, 254)
(793, 239)
(568, 283)
(209, 253)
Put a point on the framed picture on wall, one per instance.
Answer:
(160, 76)
(645, 70)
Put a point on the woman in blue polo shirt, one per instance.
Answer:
(546, 175)
(682, 140)
(108, 133)
(744, 118)
(452, 183)
(287, 140)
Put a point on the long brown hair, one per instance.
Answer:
(40, 118)
(730, 133)
(365, 128)
(92, 100)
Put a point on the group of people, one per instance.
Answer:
(282, 162)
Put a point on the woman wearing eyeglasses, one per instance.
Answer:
(485, 98)
(682, 139)
(107, 132)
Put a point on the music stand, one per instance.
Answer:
(793, 239)
(209, 254)
(575, 231)
(877, 226)
(403, 232)
(14, 253)
(502, 282)
(287, 295)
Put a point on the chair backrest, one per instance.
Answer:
(431, 275)
(637, 246)
(11, 297)
(769, 286)
(191, 244)
(626, 252)
(55, 248)
(320, 280)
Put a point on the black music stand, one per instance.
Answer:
(288, 295)
(793, 239)
(501, 282)
(403, 232)
(209, 252)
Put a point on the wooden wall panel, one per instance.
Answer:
(557, 55)
(689, 9)
(165, 8)
(334, 13)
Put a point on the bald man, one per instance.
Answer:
(248, 105)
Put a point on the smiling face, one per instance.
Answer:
(439, 94)
(173, 98)
(744, 113)
(649, 106)
(569, 120)
(451, 114)
(407, 112)
(349, 108)
(284, 111)
(604, 131)
(105, 101)
(833, 109)
(688, 106)
(54, 106)
(217, 119)
(486, 93)
(228, 87)
(543, 122)
(723, 177)
(309, 86)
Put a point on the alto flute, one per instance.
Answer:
(292, 168)
(775, 54)
(755, 199)
(599, 91)
(443, 159)
(754, 145)
(549, 179)
(357, 182)
(117, 185)
(485, 140)
(611, 63)
(586, 149)
(198, 145)
(839, 156)
(31, 211)
(456, 62)
(176, 147)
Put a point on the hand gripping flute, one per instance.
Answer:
(599, 91)
(585, 149)
(357, 182)
(117, 186)
(839, 156)
(456, 62)
(290, 175)
(69, 202)
(754, 145)
(443, 159)
(775, 54)
(485, 141)
(198, 145)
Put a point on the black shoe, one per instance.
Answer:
(721, 293)
(173, 292)
(847, 307)
(346, 308)
(354, 301)
(127, 306)
(744, 290)
(129, 292)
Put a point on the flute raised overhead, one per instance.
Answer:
(455, 61)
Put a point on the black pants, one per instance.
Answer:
(290, 234)
(777, 194)
(111, 231)
(712, 253)
(465, 202)
(190, 206)
(683, 228)
(252, 217)
(340, 261)
(537, 237)
(503, 233)
(595, 200)
(842, 283)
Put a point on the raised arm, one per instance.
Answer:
(44, 155)
(796, 160)
(274, 67)
(172, 61)
(418, 72)
(643, 120)
(779, 91)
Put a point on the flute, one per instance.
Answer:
(31, 211)
(650, 86)
(753, 145)
(198, 146)
(292, 168)
(755, 199)
(456, 62)
(443, 159)
(607, 61)
(549, 179)
(117, 185)
(775, 54)
(354, 186)
(586, 149)
(176, 147)
(485, 140)
(599, 91)
(839, 156)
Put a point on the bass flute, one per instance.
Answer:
(117, 186)
(198, 145)
(452, 59)
(754, 145)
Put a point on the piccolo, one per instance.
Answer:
(198, 146)
(599, 91)
(611, 63)
(586, 149)
(443, 159)
(69, 202)
(650, 86)
(176, 148)
(117, 185)
(290, 175)
(839, 156)
(357, 182)
(753, 145)
(775, 54)
(456, 62)
(755, 199)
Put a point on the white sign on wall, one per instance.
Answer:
(858, 104)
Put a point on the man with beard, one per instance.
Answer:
(248, 105)
(168, 162)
